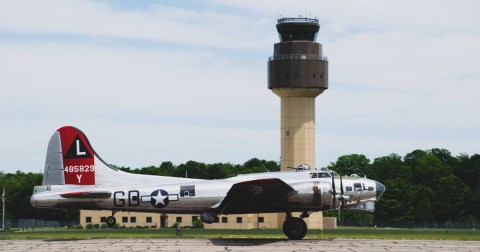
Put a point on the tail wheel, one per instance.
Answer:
(294, 228)
(111, 221)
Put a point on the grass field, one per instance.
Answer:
(352, 233)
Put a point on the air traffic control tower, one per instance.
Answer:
(297, 72)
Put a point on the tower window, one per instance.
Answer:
(239, 220)
(224, 219)
(314, 76)
(148, 220)
(321, 76)
(125, 219)
(88, 219)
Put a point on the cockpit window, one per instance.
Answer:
(357, 187)
(320, 175)
(324, 175)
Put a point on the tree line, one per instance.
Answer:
(424, 186)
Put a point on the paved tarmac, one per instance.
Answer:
(255, 245)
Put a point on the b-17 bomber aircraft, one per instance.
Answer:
(77, 177)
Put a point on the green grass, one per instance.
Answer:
(352, 233)
(404, 234)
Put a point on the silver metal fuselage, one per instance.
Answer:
(311, 192)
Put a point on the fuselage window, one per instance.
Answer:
(370, 188)
(357, 187)
(313, 175)
(187, 191)
(348, 188)
(323, 175)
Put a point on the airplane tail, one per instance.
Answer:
(70, 159)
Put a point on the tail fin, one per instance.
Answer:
(70, 159)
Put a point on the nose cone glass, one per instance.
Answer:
(380, 190)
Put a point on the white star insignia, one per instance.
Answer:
(159, 199)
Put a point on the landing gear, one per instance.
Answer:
(111, 221)
(208, 217)
(295, 228)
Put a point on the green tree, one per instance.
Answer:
(351, 164)
(442, 154)
(388, 167)
(468, 170)
(217, 171)
(428, 169)
(412, 157)
(424, 210)
(19, 187)
(256, 165)
(192, 169)
(167, 168)
(474, 206)
(450, 198)
(396, 203)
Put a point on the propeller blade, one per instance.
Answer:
(341, 185)
(341, 198)
(341, 190)
(334, 192)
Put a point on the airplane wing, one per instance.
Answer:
(262, 195)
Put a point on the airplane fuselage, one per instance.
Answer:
(198, 196)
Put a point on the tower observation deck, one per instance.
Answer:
(297, 73)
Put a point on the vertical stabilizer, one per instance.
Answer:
(70, 159)
(53, 173)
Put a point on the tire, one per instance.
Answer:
(111, 221)
(295, 228)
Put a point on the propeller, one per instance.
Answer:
(341, 197)
(334, 191)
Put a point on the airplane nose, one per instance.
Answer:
(380, 190)
(32, 200)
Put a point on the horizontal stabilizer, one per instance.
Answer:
(87, 195)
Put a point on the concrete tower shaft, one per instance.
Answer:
(297, 73)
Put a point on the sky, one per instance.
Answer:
(155, 81)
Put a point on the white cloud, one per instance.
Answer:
(174, 83)
(159, 23)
